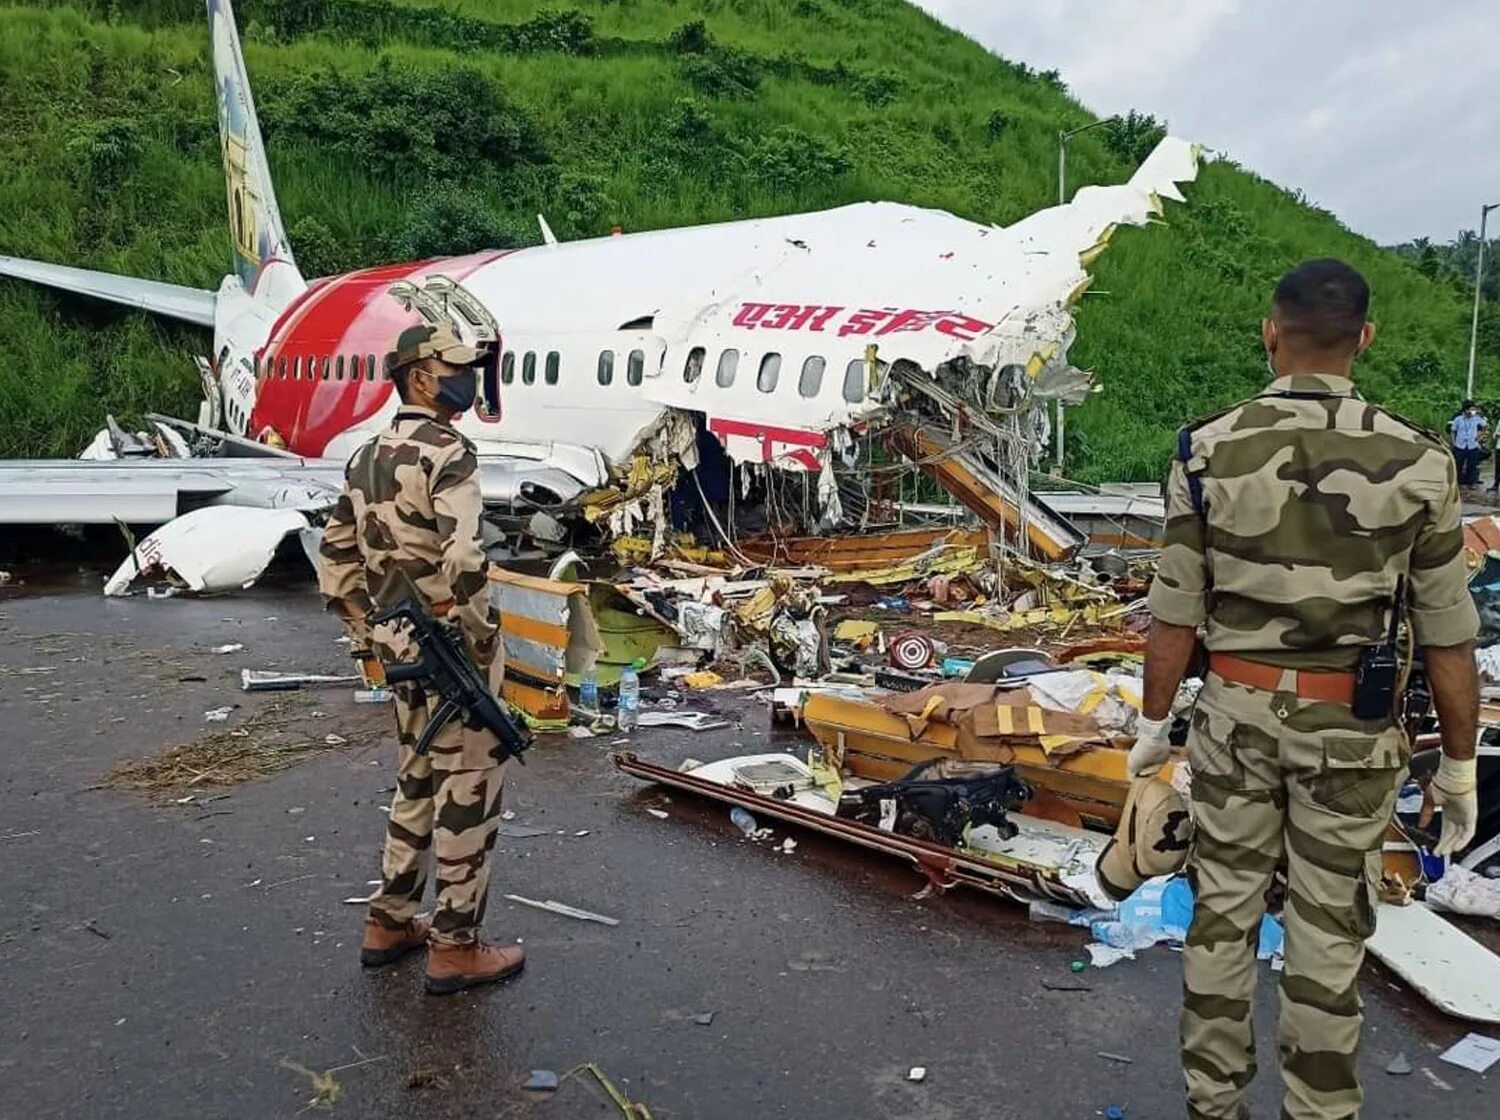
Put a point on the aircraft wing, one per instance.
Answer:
(153, 491)
(176, 301)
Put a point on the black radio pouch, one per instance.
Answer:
(1379, 669)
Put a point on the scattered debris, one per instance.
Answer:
(743, 821)
(788, 846)
(268, 680)
(1437, 1082)
(1121, 1058)
(630, 1110)
(264, 743)
(232, 647)
(917, 1074)
(514, 831)
(209, 550)
(1399, 1066)
(541, 1081)
(693, 721)
(1474, 1052)
(704, 1019)
(659, 814)
(425, 1077)
(1461, 891)
(335, 740)
(326, 1088)
(218, 715)
(566, 911)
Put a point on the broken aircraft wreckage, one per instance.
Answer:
(761, 375)
(749, 412)
(761, 372)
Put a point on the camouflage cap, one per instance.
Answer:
(428, 341)
(1153, 837)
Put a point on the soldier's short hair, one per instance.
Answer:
(1322, 305)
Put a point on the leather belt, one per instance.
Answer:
(1330, 688)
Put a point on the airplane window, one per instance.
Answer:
(770, 371)
(281, 368)
(812, 376)
(854, 381)
(694, 367)
(606, 366)
(369, 367)
(508, 367)
(635, 367)
(338, 369)
(325, 362)
(297, 368)
(729, 361)
(385, 368)
(549, 374)
(353, 367)
(528, 368)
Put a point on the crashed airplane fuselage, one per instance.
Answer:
(785, 339)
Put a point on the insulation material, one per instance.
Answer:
(547, 625)
(1112, 699)
(704, 626)
(1461, 891)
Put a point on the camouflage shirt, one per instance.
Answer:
(411, 506)
(1313, 502)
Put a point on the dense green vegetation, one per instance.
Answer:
(403, 127)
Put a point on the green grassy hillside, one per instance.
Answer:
(404, 127)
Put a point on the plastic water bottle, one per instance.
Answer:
(743, 820)
(629, 712)
(588, 691)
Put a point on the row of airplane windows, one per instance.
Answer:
(324, 368)
(767, 376)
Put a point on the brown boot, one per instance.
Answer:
(382, 945)
(452, 968)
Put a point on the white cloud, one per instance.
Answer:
(1384, 112)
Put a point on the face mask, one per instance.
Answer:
(456, 392)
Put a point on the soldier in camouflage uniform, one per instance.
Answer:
(1290, 518)
(409, 520)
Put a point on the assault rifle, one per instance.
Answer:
(443, 665)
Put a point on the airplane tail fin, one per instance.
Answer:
(262, 254)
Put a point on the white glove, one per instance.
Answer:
(1151, 749)
(1455, 790)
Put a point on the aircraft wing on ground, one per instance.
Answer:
(176, 301)
(153, 491)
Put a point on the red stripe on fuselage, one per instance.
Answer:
(349, 316)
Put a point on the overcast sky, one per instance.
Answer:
(1386, 112)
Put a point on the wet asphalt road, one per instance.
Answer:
(166, 960)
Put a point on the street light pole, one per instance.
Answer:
(1484, 214)
(1063, 136)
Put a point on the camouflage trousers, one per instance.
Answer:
(455, 813)
(1300, 786)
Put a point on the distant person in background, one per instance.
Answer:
(1466, 429)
